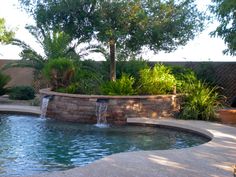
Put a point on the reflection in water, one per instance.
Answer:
(31, 145)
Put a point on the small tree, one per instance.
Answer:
(225, 11)
(127, 24)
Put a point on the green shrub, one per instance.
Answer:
(22, 93)
(158, 80)
(89, 80)
(184, 76)
(122, 86)
(59, 72)
(130, 67)
(72, 89)
(206, 73)
(200, 102)
(4, 79)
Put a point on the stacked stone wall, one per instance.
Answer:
(82, 108)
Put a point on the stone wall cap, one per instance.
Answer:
(48, 91)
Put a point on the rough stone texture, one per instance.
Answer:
(82, 108)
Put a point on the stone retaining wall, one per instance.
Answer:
(82, 108)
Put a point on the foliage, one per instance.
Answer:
(59, 72)
(122, 86)
(131, 67)
(72, 89)
(4, 79)
(129, 25)
(200, 102)
(54, 44)
(74, 17)
(5, 34)
(224, 11)
(89, 81)
(22, 93)
(95, 67)
(184, 76)
(134, 24)
(206, 72)
(138, 23)
(156, 80)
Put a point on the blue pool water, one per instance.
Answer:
(31, 145)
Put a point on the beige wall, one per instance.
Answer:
(19, 76)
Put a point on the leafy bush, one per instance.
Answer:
(158, 80)
(89, 79)
(206, 72)
(130, 67)
(184, 77)
(200, 102)
(59, 72)
(72, 89)
(4, 79)
(122, 86)
(22, 93)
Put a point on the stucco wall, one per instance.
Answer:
(19, 76)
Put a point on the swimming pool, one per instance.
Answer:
(31, 145)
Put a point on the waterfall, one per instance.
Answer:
(101, 112)
(44, 107)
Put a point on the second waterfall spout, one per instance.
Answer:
(44, 105)
(101, 113)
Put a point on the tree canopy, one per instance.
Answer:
(5, 34)
(128, 25)
(225, 11)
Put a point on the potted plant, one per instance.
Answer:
(228, 116)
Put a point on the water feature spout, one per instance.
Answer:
(101, 112)
(44, 105)
(50, 97)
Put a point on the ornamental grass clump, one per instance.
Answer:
(200, 102)
(156, 80)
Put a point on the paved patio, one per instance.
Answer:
(213, 159)
(20, 109)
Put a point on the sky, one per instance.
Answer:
(202, 48)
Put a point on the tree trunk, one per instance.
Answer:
(112, 60)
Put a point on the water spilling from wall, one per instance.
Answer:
(44, 107)
(101, 113)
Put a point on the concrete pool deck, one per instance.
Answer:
(20, 109)
(213, 159)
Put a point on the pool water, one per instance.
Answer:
(31, 145)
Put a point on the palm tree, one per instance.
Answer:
(55, 44)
